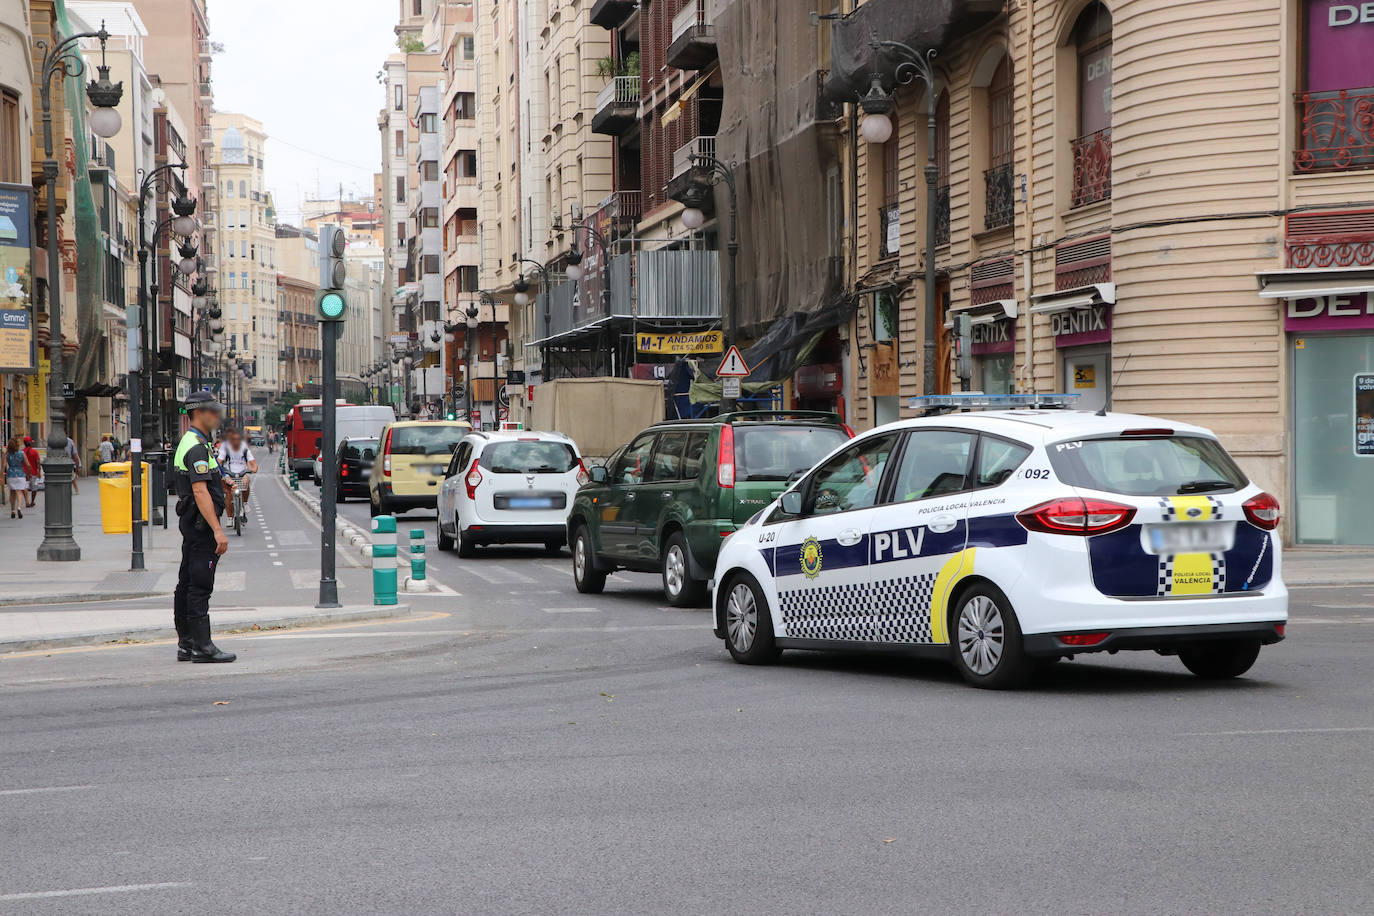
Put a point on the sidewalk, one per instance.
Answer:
(1328, 566)
(102, 572)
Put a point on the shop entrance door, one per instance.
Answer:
(1333, 464)
(1087, 373)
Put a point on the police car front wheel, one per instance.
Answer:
(748, 624)
(986, 639)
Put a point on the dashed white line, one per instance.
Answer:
(88, 891)
(44, 790)
(572, 610)
(276, 563)
(1356, 729)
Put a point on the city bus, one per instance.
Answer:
(301, 436)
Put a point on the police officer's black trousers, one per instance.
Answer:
(196, 579)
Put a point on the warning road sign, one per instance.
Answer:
(733, 365)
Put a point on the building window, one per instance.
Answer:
(429, 171)
(400, 143)
(429, 264)
(11, 145)
(1092, 149)
(1000, 204)
(400, 233)
(889, 223)
(243, 189)
(400, 190)
(465, 106)
(942, 168)
(399, 97)
(469, 47)
(1336, 104)
(429, 124)
(429, 218)
(228, 189)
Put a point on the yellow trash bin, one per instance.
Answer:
(116, 497)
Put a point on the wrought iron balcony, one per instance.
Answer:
(697, 146)
(1000, 207)
(617, 105)
(694, 37)
(942, 215)
(1336, 130)
(1092, 168)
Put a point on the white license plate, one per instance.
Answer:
(531, 503)
(1190, 537)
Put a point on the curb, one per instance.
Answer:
(161, 631)
(79, 598)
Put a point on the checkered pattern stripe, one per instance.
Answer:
(1218, 574)
(1165, 583)
(1170, 513)
(895, 610)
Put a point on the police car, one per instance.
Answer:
(1000, 538)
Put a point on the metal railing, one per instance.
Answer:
(692, 15)
(697, 146)
(621, 91)
(1335, 130)
(1000, 206)
(1092, 168)
(619, 205)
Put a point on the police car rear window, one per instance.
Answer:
(1134, 466)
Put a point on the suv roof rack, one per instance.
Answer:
(937, 404)
(735, 416)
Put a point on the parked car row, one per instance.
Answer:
(1000, 540)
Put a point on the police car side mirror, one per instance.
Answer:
(792, 502)
(598, 474)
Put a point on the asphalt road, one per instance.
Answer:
(515, 747)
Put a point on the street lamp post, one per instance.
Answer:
(712, 172)
(472, 312)
(489, 300)
(877, 105)
(64, 58)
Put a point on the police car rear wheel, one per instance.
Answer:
(1220, 660)
(987, 640)
(748, 624)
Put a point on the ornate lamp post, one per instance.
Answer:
(65, 58)
(472, 314)
(877, 105)
(708, 171)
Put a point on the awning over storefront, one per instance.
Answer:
(1313, 284)
(1080, 297)
(985, 312)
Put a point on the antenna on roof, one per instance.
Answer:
(1112, 390)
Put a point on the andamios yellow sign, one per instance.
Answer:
(681, 344)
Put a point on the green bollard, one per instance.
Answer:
(417, 555)
(384, 560)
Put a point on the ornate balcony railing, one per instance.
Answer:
(942, 215)
(1336, 130)
(1092, 168)
(1000, 208)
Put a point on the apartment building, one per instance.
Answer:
(179, 53)
(247, 253)
(18, 119)
(298, 277)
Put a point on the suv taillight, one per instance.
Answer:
(1073, 515)
(1262, 511)
(473, 478)
(583, 478)
(725, 458)
(848, 430)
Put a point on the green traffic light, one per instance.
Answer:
(449, 415)
(332, 305)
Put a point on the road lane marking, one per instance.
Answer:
(89, 891)
(44, 790)
(277, 563)
(1356, 729)
(572, 610)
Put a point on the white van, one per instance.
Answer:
(356, 423)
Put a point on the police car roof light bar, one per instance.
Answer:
(972, 400)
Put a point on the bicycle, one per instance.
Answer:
(237, 507)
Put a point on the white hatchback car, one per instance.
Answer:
(509, 488)
(999, 538)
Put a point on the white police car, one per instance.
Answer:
(998, 538)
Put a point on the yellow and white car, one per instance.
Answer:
(411, 464)
(996, 538)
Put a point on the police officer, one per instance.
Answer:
(201, 490)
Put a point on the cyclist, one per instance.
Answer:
(238, 462)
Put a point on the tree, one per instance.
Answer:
(277, 412)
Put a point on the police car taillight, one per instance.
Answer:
(473, 478)
(725, 458)
(1262, 511)
(1073, 515)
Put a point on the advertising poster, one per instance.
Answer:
(682, 344)
(1364, 414)
(16, 279)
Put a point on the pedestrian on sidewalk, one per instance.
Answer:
(105, 450)
(75, 455)
(201, 493)
(15, 477)
(33, 469)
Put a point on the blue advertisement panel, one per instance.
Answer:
(16, 279)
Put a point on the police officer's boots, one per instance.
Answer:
(202, 649)
(183, 639)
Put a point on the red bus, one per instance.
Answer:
(302, 436)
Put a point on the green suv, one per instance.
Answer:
(666, 501)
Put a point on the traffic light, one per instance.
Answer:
(330, 302)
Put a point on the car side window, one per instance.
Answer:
(667, 463)
(850, 480)
(633, 465)
(997, 460)
(692, 454)
(460, 459)
(935, 462)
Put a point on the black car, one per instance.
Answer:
(356, 457)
